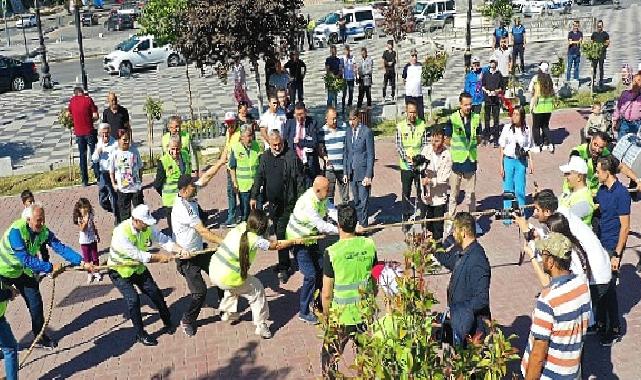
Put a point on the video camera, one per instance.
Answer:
(519, 152)
(419, 162)
(508, 213)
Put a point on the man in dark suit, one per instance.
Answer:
(468, 293)
(359, 164)
(301, 134)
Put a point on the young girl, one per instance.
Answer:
(88, 235)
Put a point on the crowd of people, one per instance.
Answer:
(292, 178)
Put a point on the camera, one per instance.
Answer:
(519, 152)
(508, 213)
(419, 162)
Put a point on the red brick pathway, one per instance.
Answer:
(95, 340)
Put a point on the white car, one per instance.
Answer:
(360, 24)
(140, 52)
(26, 21)
(539, 7)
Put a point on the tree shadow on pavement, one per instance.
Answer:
(242, 366)
(16, 150)
(558, 135)
(389, 206)
(282, 307)
(521, 328)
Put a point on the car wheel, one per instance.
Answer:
(17, 83)
(369, 33)
(173, 60)
(333, 39)
(125, 68)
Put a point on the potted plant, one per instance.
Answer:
(333, 83)
(433, 70)
(557, 70)
(66, 122)
(153, 109)
(593, 51)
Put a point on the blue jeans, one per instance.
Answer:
(244, 204)
(9, 349)
(231, 201)
(83, 142)
(573, 62)
(106, 189)
(310, 263)
(332, 98)
(626, 127)
(29, 290)
(514, 180)
(361, 201)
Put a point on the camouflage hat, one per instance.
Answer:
(555, 244)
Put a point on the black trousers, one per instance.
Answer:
(436, 228)
(192, 270)
(30, 292)
(125, 202)
(517, 50)
(167, 210)
(492, 110)
(334, 347)
(597, 293)
(280, 218)
(476, 108)
(541, 128)
(389, 77)
(348, 92)
(362, 92)
(598, 64)
(407, 178)
(147, 286)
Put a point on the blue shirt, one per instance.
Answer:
(574, 49)
(499, 32)
(334, 64)
(518, 34)
(613, 202)
(33, 262)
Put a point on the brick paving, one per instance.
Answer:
(96, 341)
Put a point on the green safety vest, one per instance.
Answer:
(311, 25)
(463, 147)
(352, 260)
(225, 263)
(591, 179)
(10, 266)
(172, 175)
(569, 199)
(411, 142)
(299, 224)
(117, 255)
(246, 164)
(185, 141)
(544, 105)
(3, 304)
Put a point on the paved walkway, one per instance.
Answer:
(96, 341)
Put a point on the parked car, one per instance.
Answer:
(89, 19)
(360, 24)
(140, 52)
(132, 9)
(118, 21)
(26, 21)
(539, 7)
(16, 75)
(594, 2)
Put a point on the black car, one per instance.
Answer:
(89, 19)
(119, 22)
(17, 75)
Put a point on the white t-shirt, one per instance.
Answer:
(509, 139)
(87, 236)
(502, 60)
(184, 219)
(413, 86)
(126, 165)
(273, 121)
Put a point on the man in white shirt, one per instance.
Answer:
(100, 158)
(503, 57)
(189, 232)
(412, 78)
(435, 178)
(125, 171)
(273, 119)
(348, 63)
(128, 254)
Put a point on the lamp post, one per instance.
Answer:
(6, 28)
(467, 57)
(83, 72)
(24, 36)
(46, 76)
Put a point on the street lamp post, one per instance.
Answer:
(83, 72)
(24, 36)
(467, 57)
(46, 76)
(6, 28)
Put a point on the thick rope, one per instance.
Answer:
(44, 326)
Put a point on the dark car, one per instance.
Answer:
(119, 22)
(17, 75)
(89, 19)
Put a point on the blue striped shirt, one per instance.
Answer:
(334, 140)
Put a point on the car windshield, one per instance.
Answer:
(128, 44)
(331, 18)
(420, 7)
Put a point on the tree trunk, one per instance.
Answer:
(191, 107)
(71, 154)
(260, 93)
(150, 127)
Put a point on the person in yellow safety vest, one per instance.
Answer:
(8, 342)
(578, 197)
(591, 152)
(170, 167)
(412, 136)
(128, 254)
(243, 165)
(229, 267)
(232, 137)
(19, 263)
(307, 220)
(464, 126)
(347, 267)
(311, 25)
(174, 130)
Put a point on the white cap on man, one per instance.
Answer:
(544, 67)
(576, 164)
(476, 59)
(104, 126)
(141, 212)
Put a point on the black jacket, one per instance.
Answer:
(293, 186)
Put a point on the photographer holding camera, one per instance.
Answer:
(435, 177)
(515, 143)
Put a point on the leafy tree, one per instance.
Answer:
(161, 19)
(218, 31)
(399, 19)
(498, 10)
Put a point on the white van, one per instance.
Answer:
(360, 24)
(427, 10)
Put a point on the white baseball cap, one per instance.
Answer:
(230, 116)
(576, 164)
(544, 67)
(141, 212)
(476, 59)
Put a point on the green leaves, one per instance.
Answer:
(153, 108)
(333, 82)
(64, 119)
(161, 18)
(558, 68)
(498, 10)
(433, 68)
(593, 50)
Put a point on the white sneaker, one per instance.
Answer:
(551, 148)
(229, 317)
(97, 276)
(89, 278)
(263, 331)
